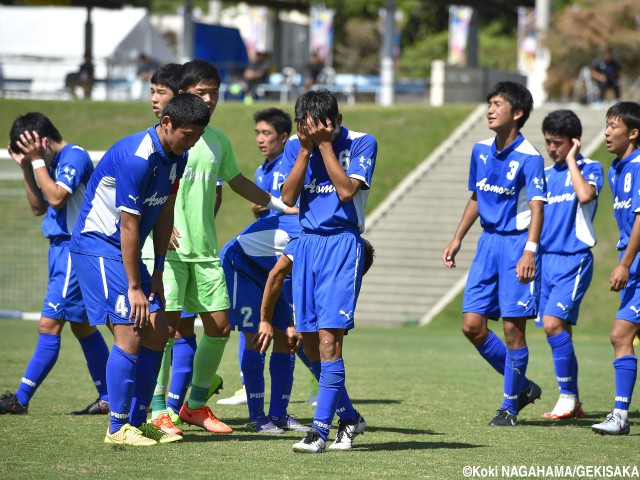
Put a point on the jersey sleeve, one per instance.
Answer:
(72, 168)
(635, 188)
(535, 181)
(132, 177)
(363, 160)
(471, 186)
(594, 174)
(228, 165)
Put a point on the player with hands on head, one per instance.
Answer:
(56, 174)
(573, 186)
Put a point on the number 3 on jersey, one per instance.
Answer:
(513, 167)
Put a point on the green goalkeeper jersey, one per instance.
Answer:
(210, 158)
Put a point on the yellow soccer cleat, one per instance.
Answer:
(129, 435)
(149, 430)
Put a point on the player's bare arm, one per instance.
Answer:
(35, 148)
(130, 245)
(469, 216)
(585, 192)
(292, 186)
(250, 191)
(526, 267)
(272, 290)
(620, 275)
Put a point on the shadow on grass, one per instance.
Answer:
(589, 419)
(392, 446)
(404, 431)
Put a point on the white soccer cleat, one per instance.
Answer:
(613, 425)
(347, 431)
(238, 398)
(311, 443)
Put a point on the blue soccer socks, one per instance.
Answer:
(42, 361)
(184, 349)
(146, 375)
(565, 363)
(96, 353)
(626, 371)
(121, 375)
(253, 372)
(514, 378)
(281, 366)
(330, 388)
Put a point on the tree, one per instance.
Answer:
(579, 33)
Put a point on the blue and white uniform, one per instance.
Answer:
(624, 180)
(327, 273)
(504, 182)
(247, 260)
(71, 169)
(566, 240)
(269, 177)
(134, 176)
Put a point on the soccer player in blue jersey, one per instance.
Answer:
(622, 133)
(573, 186)
(56, 174)
(508, 194)
(131, 193)
(330, 170)
(247, 260)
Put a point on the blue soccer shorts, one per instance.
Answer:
(327, 275)
(630, 296)
(63, 300)
(565, 280)
(492, 287)
(246, 281)
(105, 289)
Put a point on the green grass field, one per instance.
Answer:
(426, 394)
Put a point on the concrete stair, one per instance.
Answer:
(408, 283)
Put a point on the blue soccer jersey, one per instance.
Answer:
(71, 169)
(269, 177)
(505, 182)
(568, 224)
(134, 176)
(320, 208)
(624, 180)
(264, 240)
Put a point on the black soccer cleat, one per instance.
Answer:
(529, 395)
(504, 419)
(99, 407)
(10, 404)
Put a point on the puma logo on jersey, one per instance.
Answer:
(635, 310)
(346, 314)
(55, 307)
(522, 304)
(135, 199)
(563, 307)
(484, 158)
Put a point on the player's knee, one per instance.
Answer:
(475, 333)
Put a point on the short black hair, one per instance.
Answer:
(275, 117)
(197, 71)
(320, 104)
(562, 122)
(369, 253)
(187, 109)
(518, 96)
(32, 121)
(168, 75)
(628, 112)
